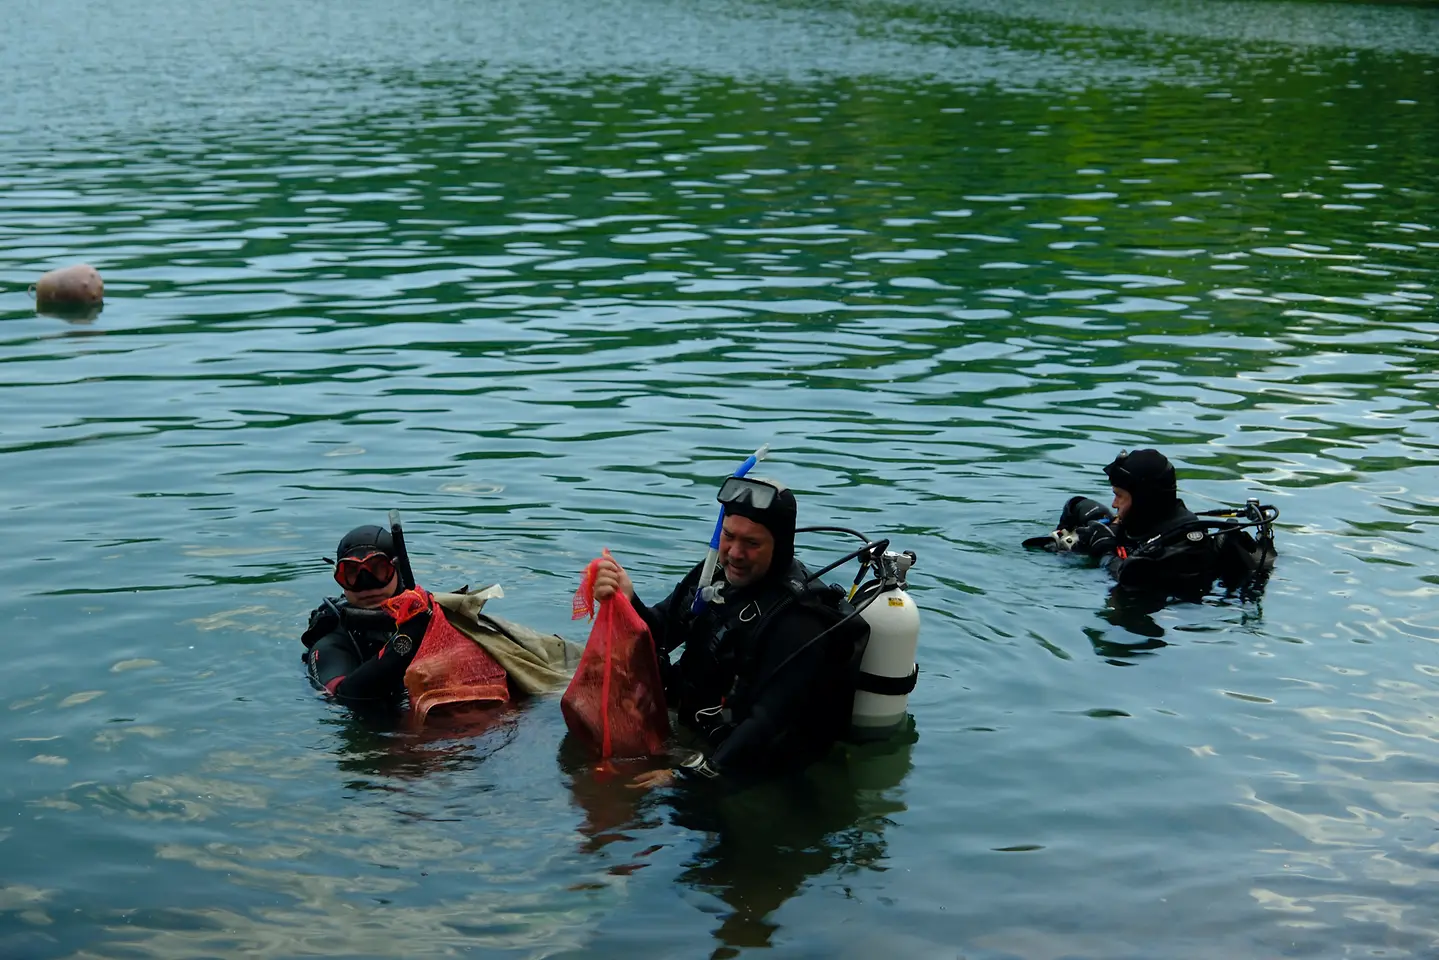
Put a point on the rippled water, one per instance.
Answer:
(538, 274)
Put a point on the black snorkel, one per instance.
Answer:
(402, 556)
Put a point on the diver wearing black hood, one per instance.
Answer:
(1153, 541)
(1146, 495)
(750, 682)
(352, 649)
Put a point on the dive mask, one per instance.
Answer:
(757, 494)
(369, 572)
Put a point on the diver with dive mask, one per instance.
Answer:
(353, 650)
(751, 683)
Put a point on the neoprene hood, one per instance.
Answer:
(778, 518)
(1148, 477)
(366, 540)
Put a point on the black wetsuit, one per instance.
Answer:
(749, 681)
(1171, 551)
(351, 656)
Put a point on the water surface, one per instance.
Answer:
(538, 274)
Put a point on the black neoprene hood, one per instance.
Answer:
(365, 540)
(778, 518)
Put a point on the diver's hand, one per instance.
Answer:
(1096, 538)
(408, 604)
(654, 778)
(406, 642)
(412, 611)
(610, 578)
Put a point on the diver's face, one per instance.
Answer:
(746, 550)
(1122, 502)
(373, 598)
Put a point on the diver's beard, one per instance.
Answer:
(736, 579)
(751, 575)
(741, 578)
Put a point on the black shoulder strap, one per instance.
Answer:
(323, 619)
(888, 686)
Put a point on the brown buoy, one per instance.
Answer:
(69, 289)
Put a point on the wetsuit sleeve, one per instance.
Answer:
(794, 675)
(336, 666)
(1096, 538)
(331, 658)
(662, 616)
(656, 618)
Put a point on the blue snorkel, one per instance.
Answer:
(711, 560)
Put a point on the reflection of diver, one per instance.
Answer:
(601, 790)
(763, 842)
(384, 744)
(1154, 543)
(770, 839)
(1133, 612)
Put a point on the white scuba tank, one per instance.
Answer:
(888, 671)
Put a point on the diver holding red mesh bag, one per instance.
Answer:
(616, 699)
(776, 664)
(448, 667)
(354, 650)
(387, 642)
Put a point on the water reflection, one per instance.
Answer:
(612, 810)
(761, 845)
(766, 843)
(491, 273)
(78, 314)
(1135, 612)
(386, 744)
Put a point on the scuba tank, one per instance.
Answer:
(881, 670)
(887, 672)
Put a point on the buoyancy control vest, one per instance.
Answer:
(718, 679)
(843, 637)
(1209, 546)
(368, 629)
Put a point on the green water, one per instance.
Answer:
(538, 274)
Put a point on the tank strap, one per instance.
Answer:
(888, 686)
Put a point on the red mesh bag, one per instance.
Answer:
(616, 699)
(449, 667)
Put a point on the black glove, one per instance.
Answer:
(1095, 538)
(412, 611)
(406, 641)
(1081, 510)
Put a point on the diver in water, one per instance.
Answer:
(763, 679)
(353, 650)
(1153, 541)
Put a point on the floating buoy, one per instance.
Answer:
(69, 289)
